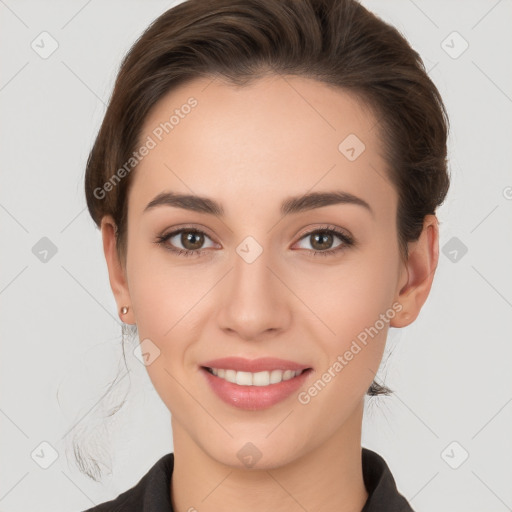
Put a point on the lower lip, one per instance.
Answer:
(254, 398)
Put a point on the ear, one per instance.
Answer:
(116, 271)
(418, 273)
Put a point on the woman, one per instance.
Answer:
(266, 179)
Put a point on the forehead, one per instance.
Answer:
(278, 136)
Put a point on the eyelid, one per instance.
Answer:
(188, 227)
(326, 227)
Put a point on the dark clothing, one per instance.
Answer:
(152, 492)
(383, 495)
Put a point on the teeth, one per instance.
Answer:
(255, 379)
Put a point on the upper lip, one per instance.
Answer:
(254, 365)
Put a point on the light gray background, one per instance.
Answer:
(60, 332)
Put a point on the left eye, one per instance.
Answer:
(324, 237)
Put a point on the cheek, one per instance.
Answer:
(356, 304)
(163, 292)
(353, 295)
(171, 303)
(168, 305)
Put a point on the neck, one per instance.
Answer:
(328, 477)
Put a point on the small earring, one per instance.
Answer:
(124, 310)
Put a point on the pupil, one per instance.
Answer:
(189, 237)
(320, 235)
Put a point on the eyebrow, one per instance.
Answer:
(290, 205)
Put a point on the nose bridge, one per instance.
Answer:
(251, 272)
(253, 304)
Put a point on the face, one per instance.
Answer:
(316, 284)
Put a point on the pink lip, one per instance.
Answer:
(253, 365)
(253, 397)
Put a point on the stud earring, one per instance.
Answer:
(124, 310)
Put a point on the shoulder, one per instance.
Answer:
(383, 494)
(150, 493)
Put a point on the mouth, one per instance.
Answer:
(256, 384)
(261, 379)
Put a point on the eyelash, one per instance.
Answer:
(344, 237)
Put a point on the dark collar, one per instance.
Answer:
(383, 495)
(152, 492)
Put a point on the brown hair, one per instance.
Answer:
(337, 42)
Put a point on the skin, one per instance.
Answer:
(250, 148)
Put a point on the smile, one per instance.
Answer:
(254, 384)
(265, 378)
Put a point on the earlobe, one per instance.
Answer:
(116, 272)
(419, 272)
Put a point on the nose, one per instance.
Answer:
(254, 302)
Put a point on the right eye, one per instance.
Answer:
(190, 239)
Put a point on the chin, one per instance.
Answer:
(264, 454)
